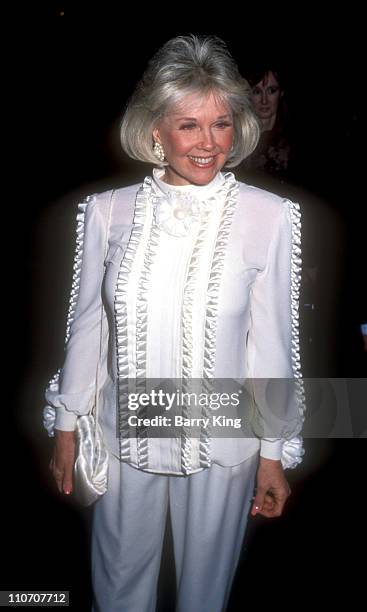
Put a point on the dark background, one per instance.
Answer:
(71, 70)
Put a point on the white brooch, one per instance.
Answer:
(175, 212)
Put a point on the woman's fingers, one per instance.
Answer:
(63, 476)
(273, 504)
(62, 462)
(272, 489)
(258, 502)
(58, 475)
(67, 485)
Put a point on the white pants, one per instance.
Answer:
(209, 512)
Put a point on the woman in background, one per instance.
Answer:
(273, 152)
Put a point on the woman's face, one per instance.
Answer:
(265, 97)
(197, 137)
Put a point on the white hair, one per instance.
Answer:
(186, 65)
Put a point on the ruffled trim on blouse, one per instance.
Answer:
(293, 449)
(49, 412)
(141, 338)
(216, 273)
(120, 306)
(187, 352)
(292, 452)
(229, 191)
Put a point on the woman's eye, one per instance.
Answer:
(256, 91)
(188, 126)
(223, 124)
(273, 90)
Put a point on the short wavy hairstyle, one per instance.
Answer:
(183, 66)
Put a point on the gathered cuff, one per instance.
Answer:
(289, 452)
(63, 409)
(65, 420)
(292, 452)
(271, 448)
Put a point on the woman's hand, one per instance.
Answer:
(62, 462)
(272, 489)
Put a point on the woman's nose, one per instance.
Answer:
(207, 140)
(264, 97)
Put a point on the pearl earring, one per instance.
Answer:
(158, 151)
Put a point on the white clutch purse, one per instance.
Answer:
(91, 464)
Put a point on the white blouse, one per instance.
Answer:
(197, 283)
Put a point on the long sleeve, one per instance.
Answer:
(71, 392)
(273, 343)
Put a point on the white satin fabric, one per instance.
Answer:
(198, 282)
(91, 464)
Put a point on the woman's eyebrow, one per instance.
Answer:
(183, 118)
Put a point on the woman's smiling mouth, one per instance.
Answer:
(202, 161)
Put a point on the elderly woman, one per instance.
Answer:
(188, 276)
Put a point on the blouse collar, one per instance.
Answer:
(199, 191)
